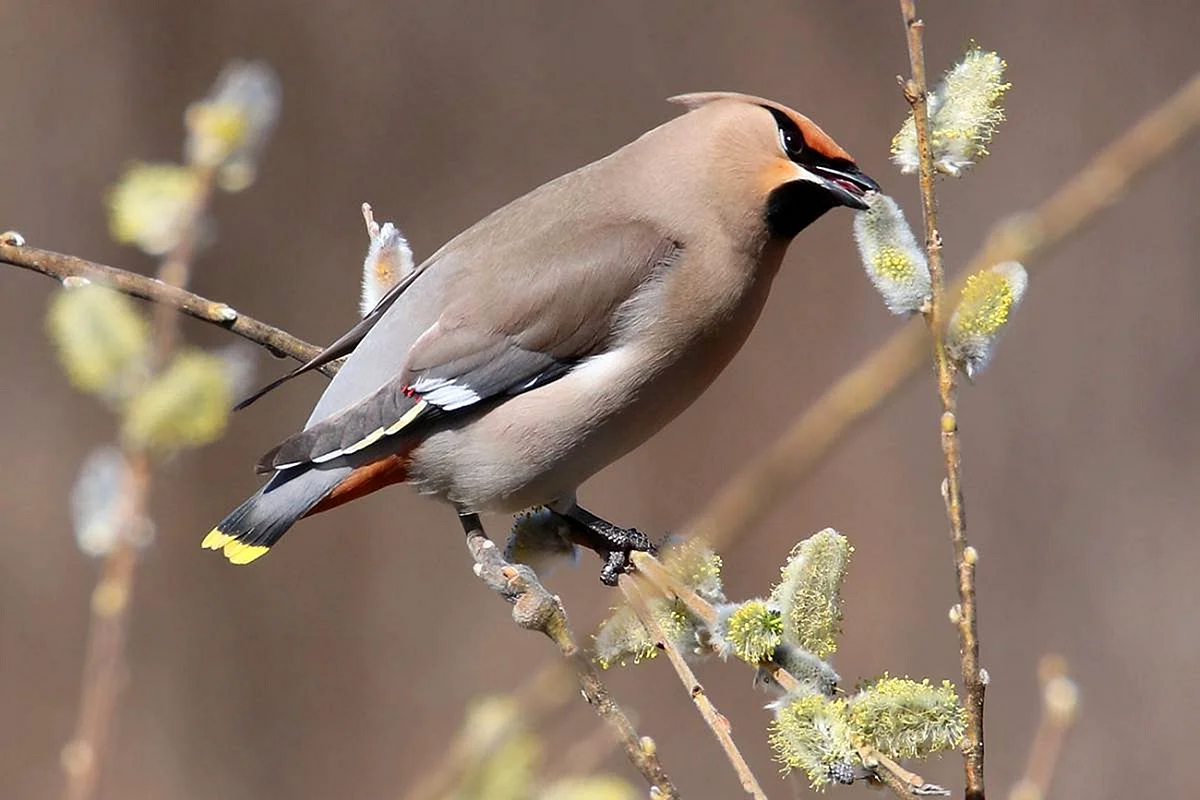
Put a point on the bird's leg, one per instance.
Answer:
(611, 542)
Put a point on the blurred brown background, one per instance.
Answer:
(341, 665)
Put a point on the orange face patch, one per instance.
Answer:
(776, 173)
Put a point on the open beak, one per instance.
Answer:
(847, 184)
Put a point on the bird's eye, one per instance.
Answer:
(791, 141)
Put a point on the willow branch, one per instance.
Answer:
(716, 722)
(973, 677)
(535, 608)
(903, 782)
(1024, 236)
(104, 657)
(61, 267)
(104, 672)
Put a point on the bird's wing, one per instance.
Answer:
(510, 323)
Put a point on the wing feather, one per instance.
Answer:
(541, 316)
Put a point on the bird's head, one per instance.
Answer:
(766, 157)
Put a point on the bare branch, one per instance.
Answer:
(973, 677)
(715, 721)
(60, 267)
(535, 608)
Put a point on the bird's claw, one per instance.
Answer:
(611, 542)
(623, 542)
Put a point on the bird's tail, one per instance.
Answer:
(251, 528)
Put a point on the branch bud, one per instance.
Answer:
(696, 566)
(816, 675)
(623, 636)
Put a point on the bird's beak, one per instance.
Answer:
(847, 184)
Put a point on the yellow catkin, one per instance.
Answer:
(152, 205)
(102, 340)
(187, 405)
(891, 262)
(964, 113)
(984, 308)
(986, 302)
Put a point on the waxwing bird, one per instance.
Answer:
(562, 331)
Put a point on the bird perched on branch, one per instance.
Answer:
(561, 331)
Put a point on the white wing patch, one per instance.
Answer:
(446, 394)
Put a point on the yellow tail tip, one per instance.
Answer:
(242, 553)
(237, 552)
(216, 540)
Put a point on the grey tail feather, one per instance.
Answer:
(267, 515)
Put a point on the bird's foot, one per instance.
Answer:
(611, 542)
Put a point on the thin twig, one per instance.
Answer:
(973, 677)
(903, 782)
(1060, 702)
(535, 608)
(746, 499)
(895, 777)
(60, 267)
(714, 719)
(104, 665)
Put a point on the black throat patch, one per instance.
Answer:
(794, 206)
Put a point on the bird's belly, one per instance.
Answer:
(540, 446)
(537, 446)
